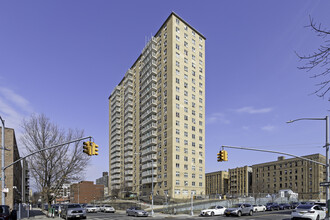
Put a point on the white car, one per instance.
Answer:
(259, 208)
(213, 210)
(313, 212)
(109, 208)
(98, 208)
(90, 208)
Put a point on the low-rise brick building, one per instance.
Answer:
(86, 192)
(13, 181)
(216, 183)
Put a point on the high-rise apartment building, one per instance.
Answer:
(301, 176)
(157, 117)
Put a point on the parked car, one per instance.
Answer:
(109, 208)
(259, 208)
(73, 211)
(102, 208)
(98, 208)
(284, 206)
(4, 212)
(294, 205)
(313, 212)
(322, 204)
(213, 210)
(240, 209)
(136, 211)
(272, 206)
(90, 209)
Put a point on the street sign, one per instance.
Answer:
(325, 184)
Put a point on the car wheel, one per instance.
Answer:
(212, 213)
(239, 214)
(127, 214)
(227, 215)
(250, 213)
(271, 209)
(264, 210)
(318, 217)
(136, 215)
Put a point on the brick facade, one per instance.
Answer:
(86, 192)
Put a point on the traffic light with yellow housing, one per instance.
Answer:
(222, 156)
(95, 149)
(219, 157)
(87, 148)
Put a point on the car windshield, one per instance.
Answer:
(237, 205)
(108, 206)
(304, 206)
(269, 203)
(89, 206)
(212, 207)
(74, 206)
(321, 204)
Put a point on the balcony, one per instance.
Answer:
(129, 160)
(128, 103)
(128, 166)
(129, 178)
(150, 134)
(149, 173)
(115, 182)
(128, 141)
(116, 160)
(149, 165)
(149, 150)
(152, 141)
(115, 148)
(128, 129)
(149, 180)
(128, 172)
(149, 104)
(117, 176)
(114, 171)
(151, 118)
(117, 154)
(149, 157)
(128, 122)
(128, 148)
(149, 127)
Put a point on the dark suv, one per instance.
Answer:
(272, 206)
(240, 209)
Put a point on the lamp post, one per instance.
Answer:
(152, 187)
(326, 151)
(3, 162)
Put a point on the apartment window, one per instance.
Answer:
(193, 112)
(186, 52)
(177, 97)
(186, 183)
(193, 183)
(186, 92)
(177, 30)
(186, 44)
(185, 158)
(177, 157)
(193, 41)
(185, 142)
(186, 126)
(185, 60)
(177, 63)
(186, 150)
(177, 21)
(185, 76)
(193, 65)
(165, 52)
(177, 80)
(165, 43)
(177, 173)
(177, 89)
(193, 167)
(193, 49)
(193, 97)
(185, 36)
(186, 101)
(200, 54)
(200, 100)
(200, 184)
(185, 175)
(177, 123)
(177, 182)
(177, 165)
(177, 46)
(193, 160)
(201, 169)
(200, 161)
(177, 55)
(177, 148)
(193, 57)
(200, 46)
(177, 106)
(177, 38)
(185, 85)
(186, 68)
(193, 33)
(177, 114)
(177, 131)
(177, 140)
(193, 128)
(185, 167)
(165, 35)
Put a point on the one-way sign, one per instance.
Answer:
(325, 184)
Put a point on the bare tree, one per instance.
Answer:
(51, 168)
(319, 59)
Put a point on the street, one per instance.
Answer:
(273, 215)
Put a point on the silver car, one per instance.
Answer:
(136, 211)
(73, 211)
(240, 209)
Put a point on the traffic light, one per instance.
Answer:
(95, 149)
(219, 157)
(225, 155)
(87, 148)
(222, 156)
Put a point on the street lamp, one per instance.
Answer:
(326, 151)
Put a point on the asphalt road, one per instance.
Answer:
(269, 215)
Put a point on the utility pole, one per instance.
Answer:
(3, 162)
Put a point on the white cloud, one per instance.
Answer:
(252, 110)
(217, 117)
(13, 108)
(268, 128)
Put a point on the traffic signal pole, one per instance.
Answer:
(3, 196)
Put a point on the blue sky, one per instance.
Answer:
(63, 58)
